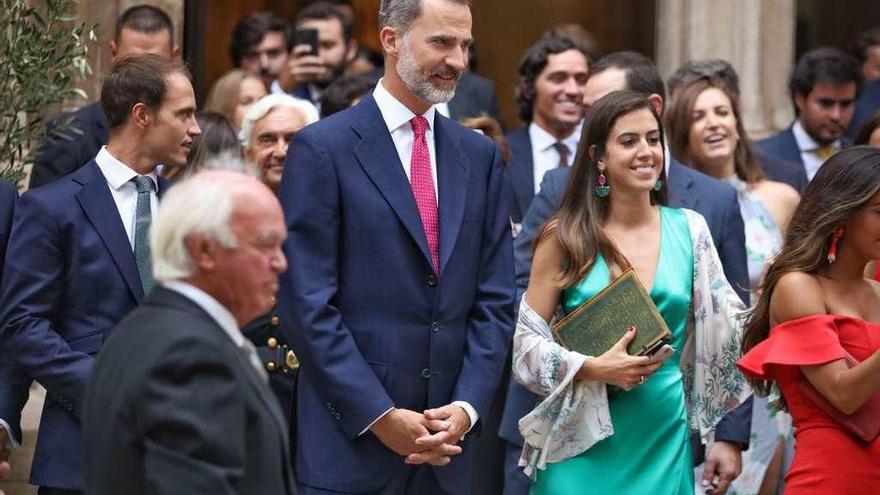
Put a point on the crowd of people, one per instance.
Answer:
(340, 276)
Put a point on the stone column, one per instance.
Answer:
(755, 36)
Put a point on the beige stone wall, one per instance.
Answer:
(756, 36)
(104, 13)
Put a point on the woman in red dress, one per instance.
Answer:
(816, 307)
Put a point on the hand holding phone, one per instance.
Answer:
(307, 36)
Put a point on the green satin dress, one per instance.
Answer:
(649, 452)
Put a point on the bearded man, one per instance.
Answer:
(400, 290)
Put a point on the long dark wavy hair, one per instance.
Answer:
(843, 185)
(578, 222)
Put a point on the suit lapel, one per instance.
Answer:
(522, 167)
(378, 157)
(680, 183)
(452, 177)
(99, 207)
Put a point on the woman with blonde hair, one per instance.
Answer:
(233, 94)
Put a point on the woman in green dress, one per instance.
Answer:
(580, 439)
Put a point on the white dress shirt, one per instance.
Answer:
(545, 157)
(397, 117)
(809, 149)
(222, 316)
(124, 191)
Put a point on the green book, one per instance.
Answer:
(597, 324)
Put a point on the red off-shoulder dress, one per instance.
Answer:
(828, 459)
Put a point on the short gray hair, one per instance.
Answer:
(400, 14)
(268, 103)
(199, 204)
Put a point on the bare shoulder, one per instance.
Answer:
(548, 251)
(796, 295)
(781, 192)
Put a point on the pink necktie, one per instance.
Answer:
(423, 188)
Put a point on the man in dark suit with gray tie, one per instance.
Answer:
(193, 412)
(688, 188)
(74, 138)
(78, 258)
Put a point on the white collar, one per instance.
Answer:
(804, 141)
(217, 311)
(394, 113)
(117, 173)
(543, 140)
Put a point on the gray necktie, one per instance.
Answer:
(142, 219)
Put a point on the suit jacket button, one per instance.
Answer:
(435, 326)
(270, 366)
(432, 280)
(426, 373)
(272, 343)
(275, 321)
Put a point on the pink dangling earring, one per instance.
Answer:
(832, 250)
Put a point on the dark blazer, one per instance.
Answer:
(70, 277)
(688, 188)
(14, 383)
(784, 148)
(473, 94)
(866, 105)
(174, 406)
(373, 326)
(520, 173)
(67, 148)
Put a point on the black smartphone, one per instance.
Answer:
(307, 36)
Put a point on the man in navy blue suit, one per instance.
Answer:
(549, 98)
(823, 87)
(400, 288)
(73, 139)
(13, 383)
(688, 188)
(78, 258)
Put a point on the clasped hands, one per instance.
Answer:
(431, 437)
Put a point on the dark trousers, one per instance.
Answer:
(515, 481)
(43, 490)
(416, 480)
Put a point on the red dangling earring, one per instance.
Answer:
(832, 250)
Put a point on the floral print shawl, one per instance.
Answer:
(574, 414)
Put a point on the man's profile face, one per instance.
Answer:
(247, 274)
(172, 127)
(332, 49)
(133, 42)
(270, 138)
(826, 111)
(559, 91)
(267, 58)
(599, 85)
(434, 52)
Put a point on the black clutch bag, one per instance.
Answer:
(597, 324)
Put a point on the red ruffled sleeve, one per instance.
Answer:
(806, 341)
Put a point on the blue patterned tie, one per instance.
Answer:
(142, 219)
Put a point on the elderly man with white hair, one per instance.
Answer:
(266, 131)
(178, 402)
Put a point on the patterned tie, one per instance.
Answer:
(825, 152)
(423, 188)
(563, 153)
(142, 219)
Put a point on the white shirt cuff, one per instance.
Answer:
(12, 442)
(375, 421)
(471, 412)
